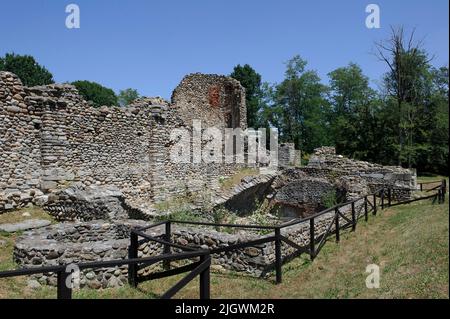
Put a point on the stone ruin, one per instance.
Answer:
(50, 137)
(100, 170)
(301, 191)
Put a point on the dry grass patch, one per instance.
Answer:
(230, 182)
(16, 216)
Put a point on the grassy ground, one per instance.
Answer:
(409, 243)
(431, 178)
(34, 212)
(432, 181)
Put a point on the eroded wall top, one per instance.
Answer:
(216, 100)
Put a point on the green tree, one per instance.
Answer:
(251, 81)
(302, 108)
(405, 83)
(26, 68)
(96, 93)
(432, 133)
(351, 97)
(127, 96)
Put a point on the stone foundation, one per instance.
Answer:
(67, 243)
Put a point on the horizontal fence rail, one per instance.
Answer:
(64, 289)
(369, 204)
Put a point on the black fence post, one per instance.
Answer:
(133, 253)
(421, 187)
(366, 216)
(166, 249)
(353, 217)
(312, 246)
(64, 290)
(336, 212)
(278, 261)
(389, 197)
(205, 283)
(382, 198)
(444, 189)
(374, 204)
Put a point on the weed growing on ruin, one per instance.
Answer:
(205, 197)
(221, 215)
(4, 233)
(184, 215)
(262, 216)
(305, 159)
(329, 199)
(176, 203)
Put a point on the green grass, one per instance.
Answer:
(430, 178)
(16, 216)
(409, 243)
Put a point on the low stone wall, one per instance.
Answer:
(85, 203)
(78, 242)
(325, 163)
(67, 243)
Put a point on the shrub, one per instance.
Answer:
(329, 199)
(96, 93)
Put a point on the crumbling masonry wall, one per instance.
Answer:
(51, 137)
(213, 101)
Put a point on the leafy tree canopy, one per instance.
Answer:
(304, 109)
(26, 68)
(98, 94)
(251, 81)
(127, 96)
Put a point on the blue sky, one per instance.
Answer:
(151, 45)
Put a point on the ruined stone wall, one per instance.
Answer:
(217, 102)
(20, 147)
(96, 146)
(68, 243)
(324, 163)
(50, 137)
(287, 155)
